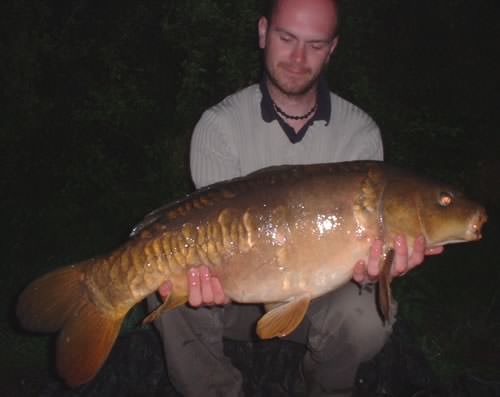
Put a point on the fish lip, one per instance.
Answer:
(451, 241)
(472, 232)
(478, 219)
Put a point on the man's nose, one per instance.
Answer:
(299, 53)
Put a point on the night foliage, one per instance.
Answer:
(99, 99)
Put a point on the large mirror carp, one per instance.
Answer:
(281, 237)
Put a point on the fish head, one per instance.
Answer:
(448, 217)
(417, 206)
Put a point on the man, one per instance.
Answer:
(290, 117)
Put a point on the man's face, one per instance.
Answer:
(297, 43)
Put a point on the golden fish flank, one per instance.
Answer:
(281, 236)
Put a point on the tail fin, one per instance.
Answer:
(59, 301)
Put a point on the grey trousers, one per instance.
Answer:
(341, 330)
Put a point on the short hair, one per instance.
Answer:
(272, 4)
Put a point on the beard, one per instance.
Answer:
(289, 85)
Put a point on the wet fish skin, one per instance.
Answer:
(281, 236)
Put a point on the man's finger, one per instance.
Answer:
(194, 287)
(417, 256)
(207, 295)
(359, 272)
(219, 296)
(400, 261)
(372, 266)
(434, 250)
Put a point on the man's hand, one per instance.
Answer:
(366, 272)
(203, 288)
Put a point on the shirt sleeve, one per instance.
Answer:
(213, 157)
(372, 148)
(356, 135)
(365, 140)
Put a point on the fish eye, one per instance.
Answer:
(445, 199)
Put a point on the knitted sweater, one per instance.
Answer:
(232, 139)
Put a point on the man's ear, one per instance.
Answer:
(262, 29)
(333, 45)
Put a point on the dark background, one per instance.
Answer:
(99, 99)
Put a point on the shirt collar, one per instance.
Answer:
(324, 106)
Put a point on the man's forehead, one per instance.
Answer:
(301, 17)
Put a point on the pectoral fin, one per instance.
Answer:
(172, 301)
(384, 296)
(270, 306)
(282, 319)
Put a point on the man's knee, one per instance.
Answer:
(348, 317)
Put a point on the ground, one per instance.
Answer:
(135, 368)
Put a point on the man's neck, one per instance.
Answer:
(294, 105)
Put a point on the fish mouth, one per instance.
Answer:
(475, 225)
(472, 231)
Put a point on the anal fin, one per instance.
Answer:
(282, 319)
(172, 301)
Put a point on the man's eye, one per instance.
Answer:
(286, 38)
(318, 46)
